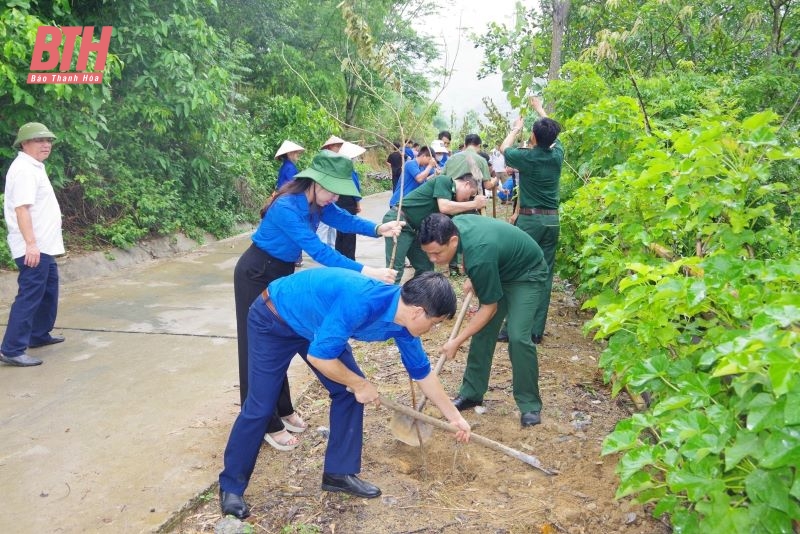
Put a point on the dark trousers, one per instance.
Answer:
(33, 313)
(346, 243)
(273, 344)
(253, 273)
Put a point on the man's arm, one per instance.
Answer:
(432, 388)
(512, 135)
(338, 372)
(451, 207)
(424, 174)
(536, 104)
(25, 223)
(478, 321)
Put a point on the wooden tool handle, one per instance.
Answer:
(453, 333)
(475, 438)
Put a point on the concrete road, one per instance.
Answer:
(126, 422)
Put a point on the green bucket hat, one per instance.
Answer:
(32, 130)
(333, 172)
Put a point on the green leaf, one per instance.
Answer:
(792, 411)
(721, 517)
(759, 120)
(695, 486)
(764, 412)
(637, 482)
(782, 448)
(746, 444)
(624, 437)
(673, 402)
(769, 487)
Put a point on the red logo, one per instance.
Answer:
(62, 58)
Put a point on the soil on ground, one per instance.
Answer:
(445, 487)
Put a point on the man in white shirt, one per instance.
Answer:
(33, 218)
(498, 163)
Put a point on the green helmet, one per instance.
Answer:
(32, 130)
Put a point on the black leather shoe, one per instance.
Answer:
(502, 337)
(349, 484)
(530, 419)
(233, 504)
(537, 340)
(465, 404)
(52, 341)
(23, 360)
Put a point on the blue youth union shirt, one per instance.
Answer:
(331, 305)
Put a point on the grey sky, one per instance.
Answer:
(464, 90)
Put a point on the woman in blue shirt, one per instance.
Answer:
(288, 227)
(289, 153)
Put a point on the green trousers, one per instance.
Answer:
(519, 298)
(407, 247)
(544, 229)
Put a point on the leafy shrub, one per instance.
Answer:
(696, 283)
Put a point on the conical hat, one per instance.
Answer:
(286, 147)
(333, 140)
(351, 150)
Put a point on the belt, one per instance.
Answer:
(537, 211)
(271, 305)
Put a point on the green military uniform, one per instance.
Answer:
(505, 267)
(462, 162)
(459, 164)
(539, 176)
(417, 205)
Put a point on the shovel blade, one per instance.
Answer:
(405, 429)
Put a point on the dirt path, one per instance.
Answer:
(448, 488)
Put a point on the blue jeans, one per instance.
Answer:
(33, 313)
(271, 346)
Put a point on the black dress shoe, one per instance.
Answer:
(465, 404)
(502, 337)
(52, 341)
(233, 504)
(349, 484)
(530, 419)
(23, 360)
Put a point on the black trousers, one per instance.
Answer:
(253, 273)
(346, 243)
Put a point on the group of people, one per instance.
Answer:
(314, 313)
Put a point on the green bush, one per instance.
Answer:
(695, 278)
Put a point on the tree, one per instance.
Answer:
(560, 13)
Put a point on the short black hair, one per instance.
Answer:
(472, 140)
(546, 130)
(445, 133)
(424, 151)
(469, 178)
(436, 228)
(432, 292)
